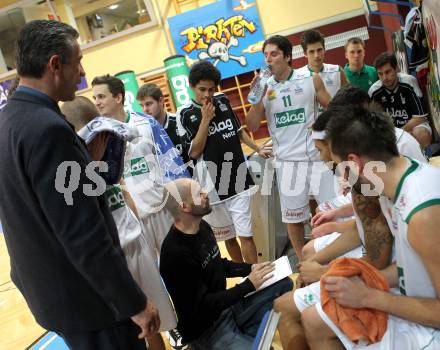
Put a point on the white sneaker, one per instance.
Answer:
(175, 339)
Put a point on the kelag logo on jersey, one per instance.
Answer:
(115, 198)
(136, 167)
(398, 113)
(222, 126)
(294, 116)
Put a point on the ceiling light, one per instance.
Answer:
(113, 7)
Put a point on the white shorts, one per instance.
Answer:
(221, 222)
(307, 296)
(155, 228)
(231, 216)
(335, 202)
(400, 335)
(424, 125)
(144, 269)
(321, 242)
(298, 182)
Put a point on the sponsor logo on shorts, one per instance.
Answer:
(115, 198)
(294, 213)
(294, 116)
(309, 299)
(223, 233)
(137, 166)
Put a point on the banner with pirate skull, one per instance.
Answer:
(228, 33)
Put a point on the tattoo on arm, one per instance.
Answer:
(378, 237)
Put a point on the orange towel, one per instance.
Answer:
(357, 324)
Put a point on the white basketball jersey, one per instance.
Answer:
(142, 173)
(290, 112)
(418, 188)
(331, 76)
(129, 228)
(408, 146)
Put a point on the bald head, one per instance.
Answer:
(183, 193)
(79, 112)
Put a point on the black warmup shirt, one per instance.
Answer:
(402, 103)
(195, 276)
(222, 147)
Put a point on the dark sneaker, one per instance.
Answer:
(175, 339)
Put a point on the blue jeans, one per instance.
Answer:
(237, 326)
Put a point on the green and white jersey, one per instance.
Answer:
(418, 188)
(142, 173)
(330, 74)
(129, 228)
(290, 112)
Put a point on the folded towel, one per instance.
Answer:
(358, 324)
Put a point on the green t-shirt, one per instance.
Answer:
(363, 79)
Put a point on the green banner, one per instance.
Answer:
(131, 88)
(177, 73)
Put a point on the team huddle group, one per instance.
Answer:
(145, 254)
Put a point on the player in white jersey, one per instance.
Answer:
(411, 205)
(144, 161)
(289, 108)
(141, 259)
(322, 250)
(333, 76)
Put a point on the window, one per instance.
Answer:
(12, 19)
(98, 19)
(95, 20)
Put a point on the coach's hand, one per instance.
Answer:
(148, 320)
(261, 273)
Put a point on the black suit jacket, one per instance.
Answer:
(65, 259)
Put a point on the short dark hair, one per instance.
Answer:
(79, 112)
(359, 130)
(346, 95)
(282, 43)
(115, 85)
(350, 95)
(204, 70)
(149, 90)
(311, 37)
(384, 58)
(355, 40)
(38, 41)
(321, 122)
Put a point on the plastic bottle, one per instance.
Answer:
(257, 91)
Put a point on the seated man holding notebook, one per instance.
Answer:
(209, 315)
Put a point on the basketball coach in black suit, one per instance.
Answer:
(65, 254)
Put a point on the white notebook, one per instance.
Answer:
(282, 270)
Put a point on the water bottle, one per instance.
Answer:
(257, 91)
